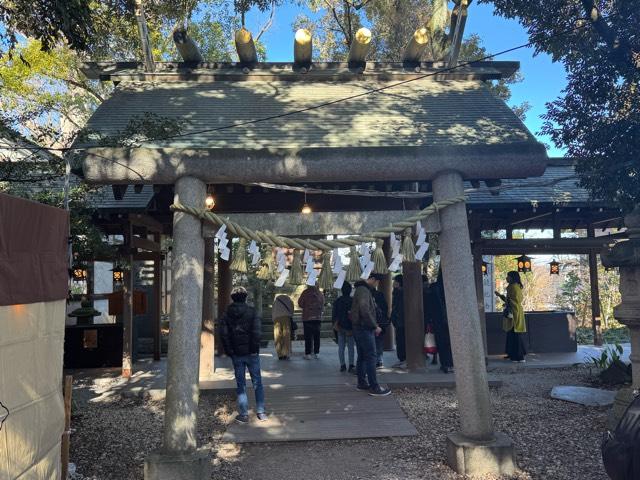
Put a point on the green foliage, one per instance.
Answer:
(597, 120)
(610, 354)
(584, 335)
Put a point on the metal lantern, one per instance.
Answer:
(554, 268)
(118, 274)
(78, 273)
(524, 264)
(485, 268)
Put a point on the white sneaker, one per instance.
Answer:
(399, 365)
(316, 356)
(307, 357)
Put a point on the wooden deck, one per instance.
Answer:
(327, 412)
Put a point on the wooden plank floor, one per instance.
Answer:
(323, 413)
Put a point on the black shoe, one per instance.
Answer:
(379, 392)
(343, 368)
(352, 369)
(242, 418)
(379, 365)
(364, 387)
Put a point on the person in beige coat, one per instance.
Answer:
(282, 314)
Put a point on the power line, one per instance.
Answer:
(339, 100)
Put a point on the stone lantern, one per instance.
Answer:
(626, 256)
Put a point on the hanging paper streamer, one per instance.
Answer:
(309, 265)
(239, 263)
(337, 262)
(282, 278)
(340, 280)
(354, 270)
(421, 251)
(281, 260)
(312, 278)
(222, 232)
(395, 264)
(296, 276)
(325, 281)
(408, 251)
(366, 273)
(224, 253)
(306, 255)
(380, 263)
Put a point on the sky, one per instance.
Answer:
(543, 79)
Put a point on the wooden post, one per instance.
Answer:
(386, 287)
(157, 293)
(225, 284)
(66, 434)
(360, 45)
(595, 292)
(143, 31)
(127, 310)
(207, 336)
(413, 315)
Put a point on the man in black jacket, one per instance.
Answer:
(240, 329)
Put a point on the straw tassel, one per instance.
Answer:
(268, 268)
(325, 280)
(296, 277)
(407, 249)
(239, 262)
(354, 270)
(379, 262)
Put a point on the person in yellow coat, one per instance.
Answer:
(514, 321)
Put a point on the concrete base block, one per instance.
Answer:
(161, 465)
(470, 457)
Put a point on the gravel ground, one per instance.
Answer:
(554, 439)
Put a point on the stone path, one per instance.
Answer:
(323, 413)
(590, 397)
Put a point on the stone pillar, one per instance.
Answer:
(179, 458)
(413, 315)
(207, 335)
(477, 449)
(386, 287)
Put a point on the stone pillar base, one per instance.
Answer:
(623, 399)
(470, 457)
(161, 465)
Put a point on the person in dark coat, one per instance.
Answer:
(341, 316)
(382, 312)
(240, 329)
(436, 315)
(397, 319)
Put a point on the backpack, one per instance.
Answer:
(621, 448)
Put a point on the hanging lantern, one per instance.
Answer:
(118, 274)
(485, 268)
(79, 272)
(306, 208)
(524, 264)
(554, 268)
(209, 202)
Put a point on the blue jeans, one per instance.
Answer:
(251, 363)
(379, 347)
(367, 356)
(345, 340)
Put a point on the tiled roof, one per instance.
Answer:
(420, 113)
(558, 185)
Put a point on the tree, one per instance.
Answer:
(393, 22)
(597, 120)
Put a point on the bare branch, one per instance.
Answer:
(269, 21)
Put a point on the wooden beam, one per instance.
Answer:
(543, 245)
(145, 244)
(416, 46)
(186, 46)
(245, 47)
(143, 31)
(157, 304)
(303, 48)
(458, 20)
(360, 47)
(141, 220)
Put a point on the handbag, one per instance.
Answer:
(430, 342)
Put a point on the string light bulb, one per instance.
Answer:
(209, 202)
(306, 208)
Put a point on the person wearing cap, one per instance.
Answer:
(364, 318)
(240, 329)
